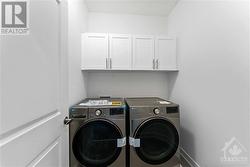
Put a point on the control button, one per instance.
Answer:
(98, 112)
(157, 111)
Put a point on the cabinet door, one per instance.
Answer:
(143, 52)
(165, 49)
(94, 51)
(120, 51)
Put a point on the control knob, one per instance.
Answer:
(157, 111)
(98, 112)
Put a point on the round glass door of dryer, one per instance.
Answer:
(159, 141)
(95, 143)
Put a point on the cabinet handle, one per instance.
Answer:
(157, 63)
(110, 61)
(153, 63)
(106, 63)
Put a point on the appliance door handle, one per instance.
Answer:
(157, 63)
(153, 63)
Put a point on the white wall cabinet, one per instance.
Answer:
(165, 53)
(95, 51)
(126, 52)
(143, 52)
(120, 52)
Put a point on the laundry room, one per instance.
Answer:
(125, 83)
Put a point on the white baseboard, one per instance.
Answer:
(188, 159)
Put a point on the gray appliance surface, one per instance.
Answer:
(84, 116)
(148, 102)
(142, 111)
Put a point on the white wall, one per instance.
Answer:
(123, 23)
(212, 86)
(127, 84)
(77, 21)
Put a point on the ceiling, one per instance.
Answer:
(141, 7)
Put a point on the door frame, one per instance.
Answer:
(64, 78)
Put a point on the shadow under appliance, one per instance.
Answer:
(97, 133)
(154, 132)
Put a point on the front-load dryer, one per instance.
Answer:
(154, 132)
(97, 133)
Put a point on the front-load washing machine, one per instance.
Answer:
(154, 132)
(97, 133)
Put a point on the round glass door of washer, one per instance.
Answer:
(95, 143)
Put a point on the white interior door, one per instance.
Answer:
(95, 51)
(143, 52)
(120, 49)
(31, 123)
(165, 53)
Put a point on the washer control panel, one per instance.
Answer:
(106, 112)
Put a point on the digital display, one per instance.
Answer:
(116, 111)
(172, 110)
